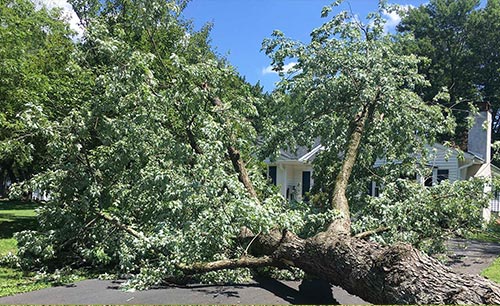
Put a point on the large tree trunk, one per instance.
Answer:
(397, 274)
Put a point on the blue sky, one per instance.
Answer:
(241, 25)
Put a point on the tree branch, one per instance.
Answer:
(191, 137)
(339, 199)
(239, 167)
(371, 232)
(122, 226)
(244, 262)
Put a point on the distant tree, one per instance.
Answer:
(458, 39)
(484, 40)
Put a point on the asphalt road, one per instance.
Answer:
(466, 257)
(262, 291)
(471, 257)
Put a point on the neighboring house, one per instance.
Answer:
(293, 171)
(36, 195)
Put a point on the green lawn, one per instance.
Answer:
(15, 216)
(491, 234)
(493, 271)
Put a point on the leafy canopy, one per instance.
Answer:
(146, 171)
(149, 149)
(349, 66)
(39, 82)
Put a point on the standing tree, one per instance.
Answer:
(484, 40)
(459, 42)
(38, 76)
(154, 174)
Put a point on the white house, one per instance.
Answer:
(293, 171)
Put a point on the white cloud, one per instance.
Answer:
(268, 70)
(68, 13)
(393, 18)
(286, 68)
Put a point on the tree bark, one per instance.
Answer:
(398, 274)
(339, 198)
(239, 167)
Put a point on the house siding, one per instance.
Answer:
(440, 158)
(445, 159)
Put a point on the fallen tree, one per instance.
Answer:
(155, 175)
(380, 274)
(398, 274)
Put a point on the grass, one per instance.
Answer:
(486, 236)
(13, 281)
(493, 271)
(16, 216)
(490, 234)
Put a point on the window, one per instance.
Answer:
(272, 174)
(376, 190)
(442, 175)
(373, 189)
(495, 202)
(428, 181)
(438, 175)
(408, 176)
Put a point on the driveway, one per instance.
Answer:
(471, 257)
(467, 257)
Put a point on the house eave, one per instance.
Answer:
(495, 170)
(306, 157)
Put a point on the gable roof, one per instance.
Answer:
(303, 154)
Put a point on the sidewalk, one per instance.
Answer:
(467, 257)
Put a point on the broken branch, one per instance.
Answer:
(244, 262)
(122, 226)
(372, 232)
